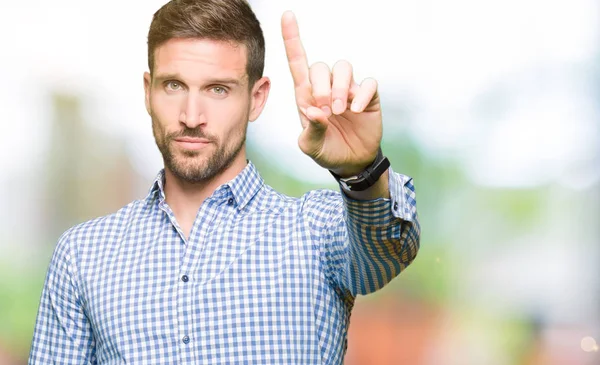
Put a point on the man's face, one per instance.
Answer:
(200, 104)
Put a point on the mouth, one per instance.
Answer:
(190, 143)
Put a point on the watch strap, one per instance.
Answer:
(366, 178)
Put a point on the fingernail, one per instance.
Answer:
(338, 106)
(355, 106)
(326, 110)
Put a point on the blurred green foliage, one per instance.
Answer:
(20, 291)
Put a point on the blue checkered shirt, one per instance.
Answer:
(263, 278)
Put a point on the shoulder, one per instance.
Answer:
(108, 223)
(101, 228)
(314, 207)
(268, 197)
(322, 203)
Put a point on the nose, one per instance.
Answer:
(192, 114)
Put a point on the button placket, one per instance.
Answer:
(190, 276)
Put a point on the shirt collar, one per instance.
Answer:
(243, 187)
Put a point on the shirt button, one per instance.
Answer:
(185, 278)
(395, 205)
(186, 339)
(230, 201)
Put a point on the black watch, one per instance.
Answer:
(368, 177)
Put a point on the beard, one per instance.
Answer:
(198, 166)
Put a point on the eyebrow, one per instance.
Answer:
(225, 81)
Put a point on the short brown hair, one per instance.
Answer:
(220, 20)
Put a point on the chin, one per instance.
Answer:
(196, 169)
(190, 165)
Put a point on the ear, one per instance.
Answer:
(147, 87)
(258, 97)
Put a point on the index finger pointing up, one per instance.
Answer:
(294, 50)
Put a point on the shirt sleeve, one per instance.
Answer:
(62, 334)
(365, 244)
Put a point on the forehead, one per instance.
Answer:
(201, 58)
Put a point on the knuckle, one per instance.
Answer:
(321, 97)
(339, 91)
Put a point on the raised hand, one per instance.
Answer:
(341, 119)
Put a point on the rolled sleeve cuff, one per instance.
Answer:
(382, 211)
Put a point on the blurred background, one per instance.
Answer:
(491, 106)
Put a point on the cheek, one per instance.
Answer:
(165, 111)
(237, 121)
(226, 116)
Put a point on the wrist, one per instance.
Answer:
(378, 190)
(354, 170)
(349, 171)
(364, 178)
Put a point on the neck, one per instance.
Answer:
(185, 198)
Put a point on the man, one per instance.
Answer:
(214, 266)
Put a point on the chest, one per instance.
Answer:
(236, 273)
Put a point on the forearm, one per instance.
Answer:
(376, 237)
(383, 235)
